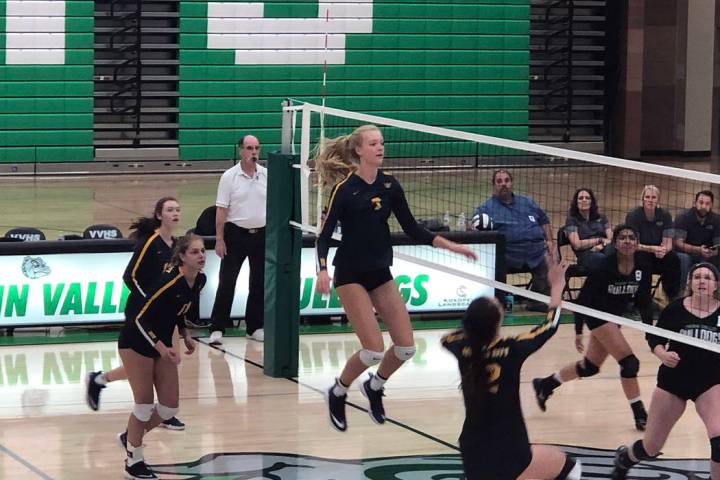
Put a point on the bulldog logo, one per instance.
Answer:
(35, 267)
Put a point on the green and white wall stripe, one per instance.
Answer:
(46, 80)
(457, 63)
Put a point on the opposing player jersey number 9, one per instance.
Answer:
(493, 370)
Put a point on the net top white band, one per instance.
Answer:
(513, 144)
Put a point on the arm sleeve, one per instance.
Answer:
(322, 243)
(716, 235)
(224, 191)
(668, 231)
(655, 340)
(453, 342)
(528, 343)
(542, 216)
(592, 294)
(631, 219)
(570, 225)
(680, 227)
(194, 314)
(408, 223)
(137, 273)
(605, 223)
(154, 308)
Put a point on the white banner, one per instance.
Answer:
(82, 288)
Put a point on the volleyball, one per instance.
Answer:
(482, 222)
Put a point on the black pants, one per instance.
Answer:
(539, 272)
(241, 244)
(669, 269)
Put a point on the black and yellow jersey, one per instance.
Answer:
(150, 258)
(169, 301)
(363, 210)
(492, 412)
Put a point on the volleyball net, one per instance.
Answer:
(447, 174)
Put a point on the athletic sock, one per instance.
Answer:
(339, 389)
(551, 382)
(377, 382)
(101, 379)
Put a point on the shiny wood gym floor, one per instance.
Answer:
(244, 425)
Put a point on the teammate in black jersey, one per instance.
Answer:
(686, 373)
(362, 202)
(146, 348)
(618, 281)
(494, 441)
(151, 257)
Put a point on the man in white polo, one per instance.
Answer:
(240, 234)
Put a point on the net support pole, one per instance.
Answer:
(283, 245)
(287, 132)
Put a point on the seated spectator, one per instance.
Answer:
(655, 227)
(697, 233)
(587, 230)
(526, 229)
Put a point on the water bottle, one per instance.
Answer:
(446, 219)
(461, 222)
(509, 300)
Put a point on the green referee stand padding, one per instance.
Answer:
(282, 267)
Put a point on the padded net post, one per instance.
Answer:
(282, 267)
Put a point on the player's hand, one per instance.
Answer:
(323, 282)
(220, 249)
(442, 242)
(190, 345)
(579, 343)
(166, 353)
(669, 359)
(463, 250)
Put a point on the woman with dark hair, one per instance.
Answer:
(147, 353)
(153, 249)
(621, 279)
(494, 441)
(362, 200)
(686, 372)
(587, 230)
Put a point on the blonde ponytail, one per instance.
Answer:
(338, 158)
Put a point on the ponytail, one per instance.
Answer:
(480, 324)
(143, 227)
(337, 158)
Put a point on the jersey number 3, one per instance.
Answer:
(184, 309)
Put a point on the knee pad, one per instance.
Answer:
(585, 368)
(370, 358)
(715, 449)
(164, 412)
(404, 353)
(143, 411)
(629, 366)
